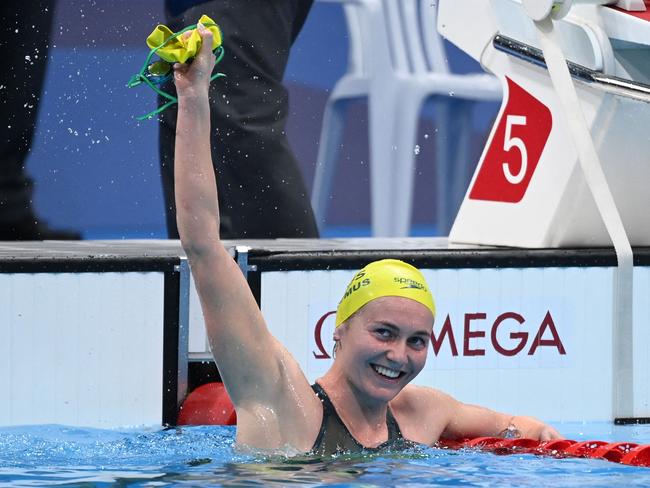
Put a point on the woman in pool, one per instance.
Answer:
(384, 323)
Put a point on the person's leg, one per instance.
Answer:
(24, 40)
(262, 192)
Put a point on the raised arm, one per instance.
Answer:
(255, 368)
(234, 323)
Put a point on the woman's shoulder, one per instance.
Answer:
(423, 402)
(414, 396)
(422, 412)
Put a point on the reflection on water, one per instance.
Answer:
(302, 472)
(311, 471)
(204, 456)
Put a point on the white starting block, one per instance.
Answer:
(565, 164)
(529, 189)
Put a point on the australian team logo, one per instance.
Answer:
(360, 280)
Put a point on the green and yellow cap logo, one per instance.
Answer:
(384, 278)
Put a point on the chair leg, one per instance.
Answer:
(453, 166)
(463, 165)
(382, 110)
(443, 143)
(328, 152)
(407, 121)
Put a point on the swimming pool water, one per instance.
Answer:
(204, 456)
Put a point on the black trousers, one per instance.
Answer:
(261, 190)
(25, 28)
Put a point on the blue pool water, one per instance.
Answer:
(204, 456)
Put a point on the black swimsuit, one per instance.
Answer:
(335, 438)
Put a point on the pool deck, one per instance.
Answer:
(106, 250)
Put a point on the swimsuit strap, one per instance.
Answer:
(394, 431)
(334, 437)
(328, 412)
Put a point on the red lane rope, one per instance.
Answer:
(210, 404)
(618, 452)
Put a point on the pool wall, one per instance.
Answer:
(523, 331)
(91, 334)
(96, 333)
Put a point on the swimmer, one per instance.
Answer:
(382, 334)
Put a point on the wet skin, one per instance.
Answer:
(380, 349)
(391, 333)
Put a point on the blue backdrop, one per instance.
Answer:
(96, 167)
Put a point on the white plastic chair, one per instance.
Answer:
(397, 60)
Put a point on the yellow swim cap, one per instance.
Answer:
(385, 278)
(180, 49)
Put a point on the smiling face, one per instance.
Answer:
(384, 345)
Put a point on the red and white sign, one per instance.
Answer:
(515, 149)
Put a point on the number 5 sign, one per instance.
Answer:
(514, 150)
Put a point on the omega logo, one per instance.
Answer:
(469, 334)
(474, 340)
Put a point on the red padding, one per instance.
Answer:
(484, 442)
(639, 456)
(512, 446)
(613, 452)
(583, 449)
(556, 444)
(208, 404)
(619, 452)
(556, 448)
(520, 443)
